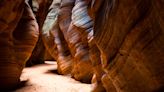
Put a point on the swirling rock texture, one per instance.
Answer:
(65, 37)
(95, 55)
(18, 36)
(40, 8)
(130, 37)
(64, 20)
(119, 44)
(65, 41)
(54, 40)
(77, 38)
(97, 67)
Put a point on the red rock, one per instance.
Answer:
(18, 37)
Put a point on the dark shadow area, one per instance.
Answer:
(161, 89)
(22, 84)
(39, 65)
(82, 81)
(19, 86)
(33, 63)
(54, 71)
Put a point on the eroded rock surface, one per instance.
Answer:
(129, 35)
(119, 44)
(18, 36)
(67, 42)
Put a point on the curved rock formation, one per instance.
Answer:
(54, 40)
(97, 67)
(130, 37)
(66, 38)
(119, 44)
(76, 36)
(38, 54)
(18, 36)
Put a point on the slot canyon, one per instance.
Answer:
(81, 45)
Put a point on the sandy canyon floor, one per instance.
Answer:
(44, 78)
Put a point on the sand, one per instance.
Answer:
(44, 78)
